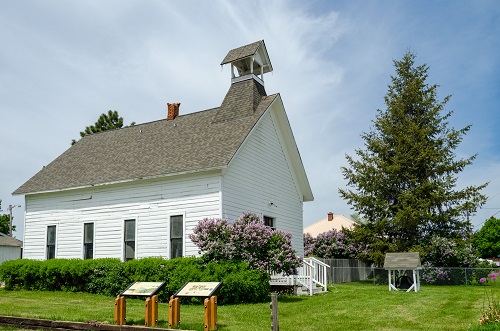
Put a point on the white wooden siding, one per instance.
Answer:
(260, 175)
(149, 202)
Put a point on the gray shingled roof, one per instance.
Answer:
(189, 143)
(242, 52)
(403, 261)
(237, 56)
(9, 241)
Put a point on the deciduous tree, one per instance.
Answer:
(487, 240)
(5, 224)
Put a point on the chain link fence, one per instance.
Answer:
(347, 270)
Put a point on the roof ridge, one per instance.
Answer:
(147, 123)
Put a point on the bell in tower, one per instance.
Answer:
(250, 61)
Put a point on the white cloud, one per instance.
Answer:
(65, 62)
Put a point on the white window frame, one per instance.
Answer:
(123, 253)
(93, 239)
(169, 249)
(46, 240)
(264, 216)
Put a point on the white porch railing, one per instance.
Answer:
(311, 275)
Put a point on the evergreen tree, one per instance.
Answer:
(404, 181)
(108, 121)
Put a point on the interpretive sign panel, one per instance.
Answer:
(146, 289)
(199, 289)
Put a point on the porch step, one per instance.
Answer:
(302, 290)
(296, 289)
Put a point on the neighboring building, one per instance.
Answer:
(139, 191)
(331, 222)
(10, 248)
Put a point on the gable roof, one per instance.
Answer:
(236, 55)
(404, 261)
(241, 52)
(194, 142)
(6, 240)
(338, 222)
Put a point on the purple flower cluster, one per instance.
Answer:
(435, 275)
(442, 254)
(212, 238)
(445, 252)
(331, 244)
(308, 244)
(247, 239)
(491, 304)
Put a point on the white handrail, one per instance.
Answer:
(311, 273)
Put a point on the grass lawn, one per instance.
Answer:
(352, 306)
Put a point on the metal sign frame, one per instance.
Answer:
(199, 289)
(146, 289)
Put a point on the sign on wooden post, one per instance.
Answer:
(148, 289)
(199, 289)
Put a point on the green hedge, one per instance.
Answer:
(111, 276)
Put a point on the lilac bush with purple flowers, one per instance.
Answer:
(333, 244)
(308, 244)
(443, 254)
(212, 238)
(247, 239)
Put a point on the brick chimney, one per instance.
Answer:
(330, 216)
(173, 110)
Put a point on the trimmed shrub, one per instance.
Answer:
(111, 276)
(22, 274)
(105, 276)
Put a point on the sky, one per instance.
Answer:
(65, 62)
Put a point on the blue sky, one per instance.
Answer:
(63, 63)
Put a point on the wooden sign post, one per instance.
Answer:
(196, 289)
(151, 311)
(120, 310)
(148, 289)
(210, 319)
(275, 326)
(174, 312)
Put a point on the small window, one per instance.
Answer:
(176, 234)
(51, 242)
(269, 221)
(129, 240)
(88, 241)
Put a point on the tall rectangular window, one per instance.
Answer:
(51, 242)
(129, 239)
(88, 241)
(176, 233)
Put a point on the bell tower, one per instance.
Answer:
(250, 61)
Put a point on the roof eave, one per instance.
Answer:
(294, 153)
(218, 168)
